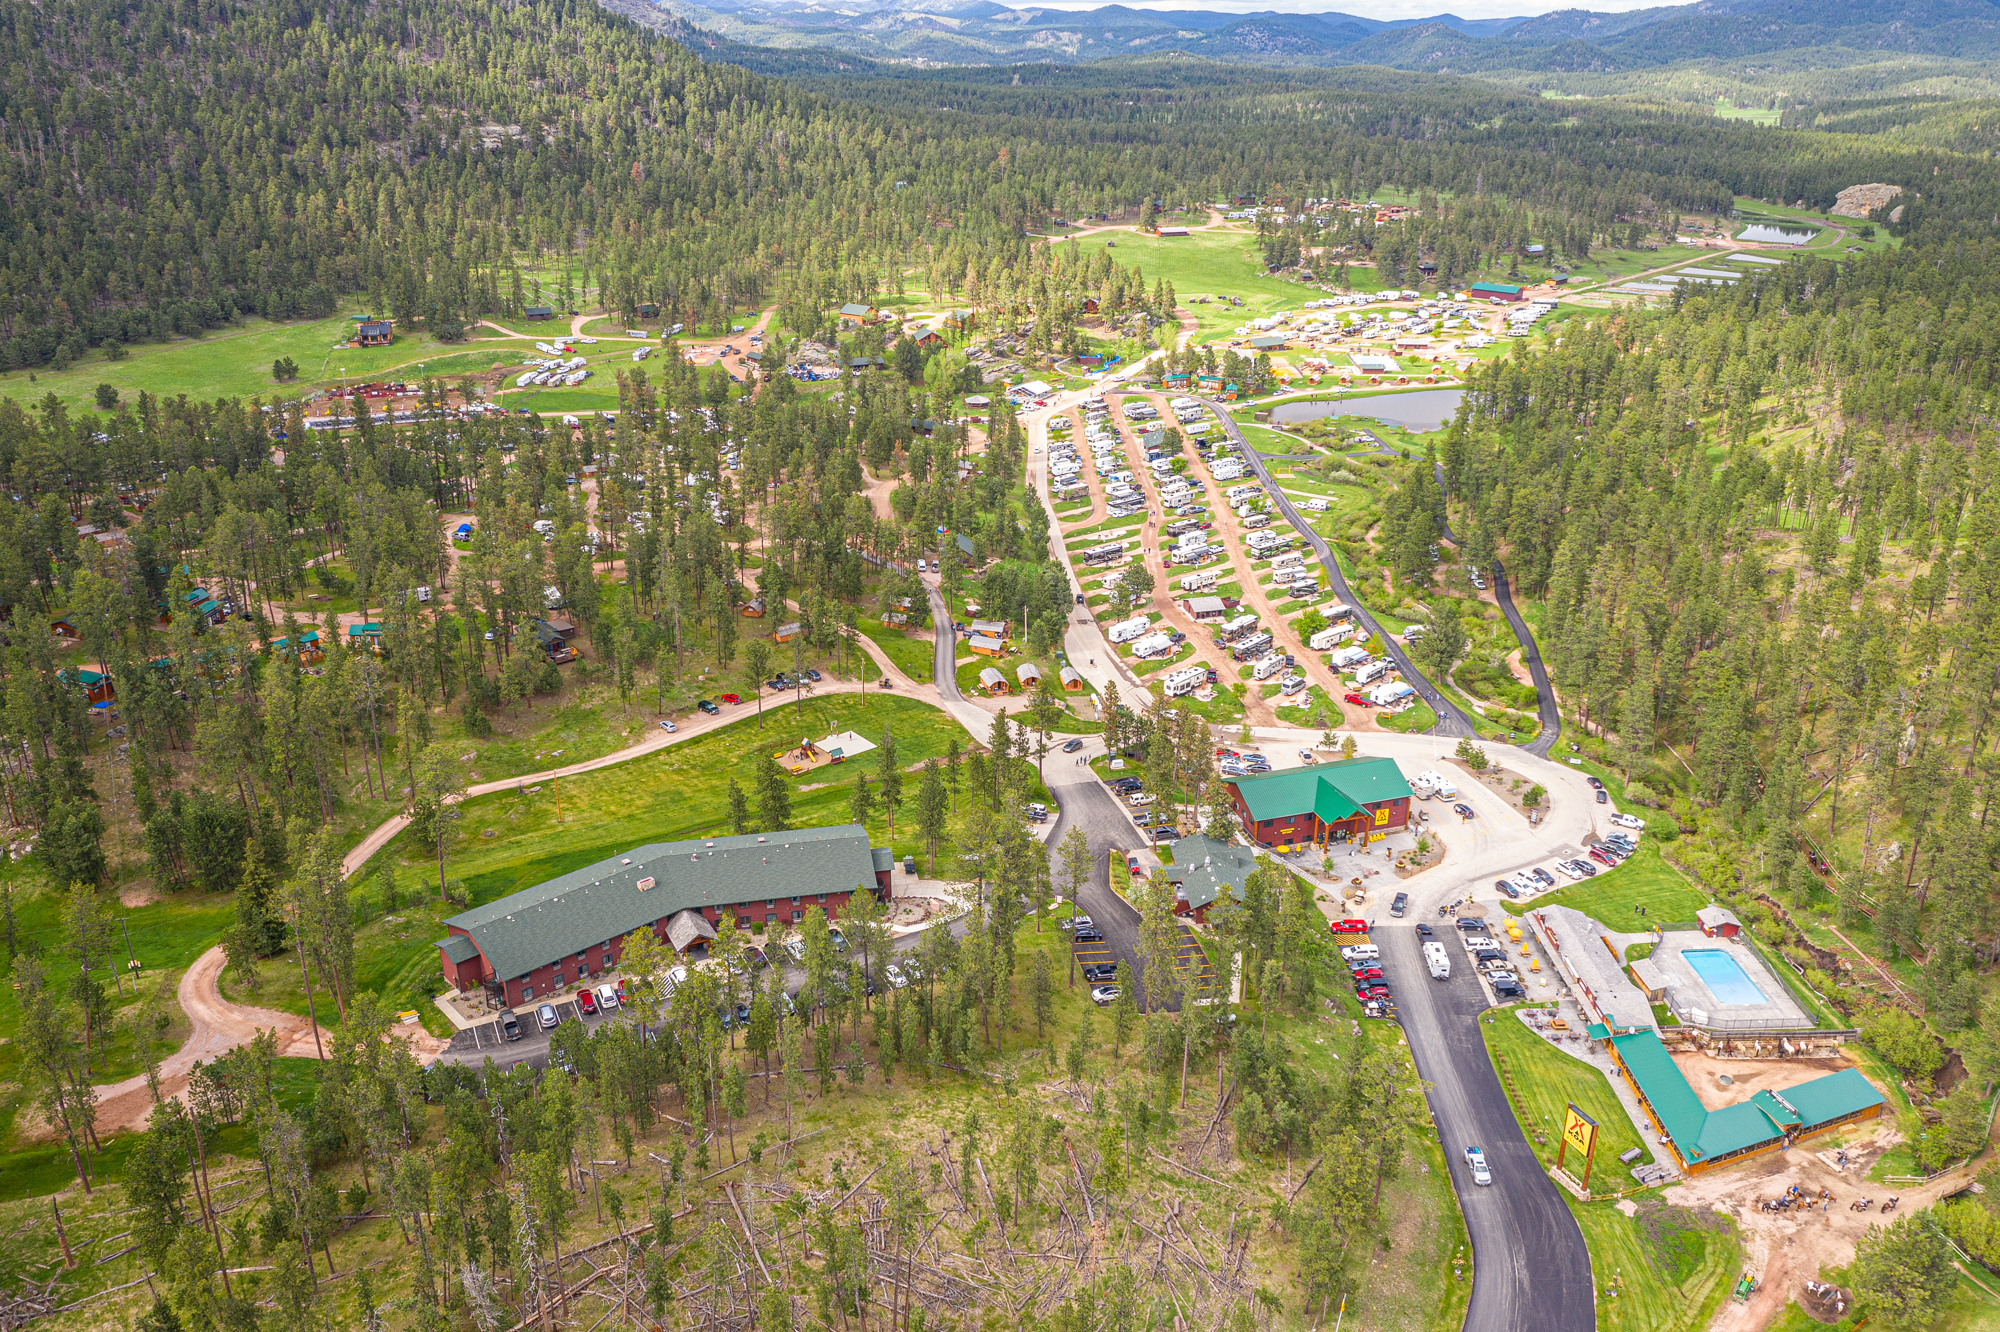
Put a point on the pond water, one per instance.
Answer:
(1765, 234)
(1422, 411)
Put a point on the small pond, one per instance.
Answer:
(1766, 234)
(1425, 410)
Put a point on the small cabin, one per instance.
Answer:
(647, 310)
(365, 636)
(307, 650)
(785, 633)
(1028, 674)
(66, 629)
(1071, 681)
(96, 686)
(539, 312)
(993, 682)
(375, 333)
(1718, 922)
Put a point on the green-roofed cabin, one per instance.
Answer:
(308, 648)
(1703, 1139)
(1348, 800)
(96, 685)
(364, 635)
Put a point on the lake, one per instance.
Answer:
(1765, 234)
(1426, 410)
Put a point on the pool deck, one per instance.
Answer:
(1694, 1002)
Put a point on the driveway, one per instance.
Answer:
(1530, 1266)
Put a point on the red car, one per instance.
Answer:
(624, 991)
(1349, 927)
(586, 1001)
(1368, 974)
(1357, 700)
(731, 698)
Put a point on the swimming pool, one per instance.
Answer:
(1724, 976)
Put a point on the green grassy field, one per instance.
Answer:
(516, 839)
(1542, 1081)
(165, 937)
(232, 362)
(1648, 1287)
(1756, 115)
(1616, 895)
(1212, 264)
(912, 656)
(1969, 1309)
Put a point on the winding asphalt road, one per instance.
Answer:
(1451, 719)
(1531, 655)
(1530, 1265)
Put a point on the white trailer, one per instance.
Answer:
(1268, 666)
(1185, 680)
(1199, 582)
(1126, 631)
(1155, 644)
(1291, 559)
(1437, 960)
(1327, 637)
(1348, 656)
(1373, 671)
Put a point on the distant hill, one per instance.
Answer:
(1570, 41)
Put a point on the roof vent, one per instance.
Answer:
(644, 883)
(708, 843)
(625, 861)
(760, 840)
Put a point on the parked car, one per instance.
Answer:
(607, 998)
(668, 726)
(1100, 971)
(586, 1002)
(546, 1014)
(1368, 973)
(1071, 746)
(1463, 811)
(1476, 1161)
(1351, 925)
(732, 698)
(1424, 931)
(1602, 798)
(813, 675)
(1543, 877)
(1079, 921)
(1628, 821)
(1396, 907)
(1596, 784)
(1105, 995)
(1090, 934)
(1602, 858)
(1357, 700)
(895, 976)
(1583, 868)
(511, 1025)
(1506, 887)
(708, 707)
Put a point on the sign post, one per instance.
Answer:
(1579, 1131)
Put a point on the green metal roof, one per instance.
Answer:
(1823, 1100)
(1701, 1134)
(1332, 791)
(1666, 1089)
(1203, 867)
(605, 901)
(458, 947)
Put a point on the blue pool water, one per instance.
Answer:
(1724, 976)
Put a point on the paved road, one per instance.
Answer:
(1451, 719)
(1531, 655)
(1530, 1266)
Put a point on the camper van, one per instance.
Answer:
(1346, 657)
(1291, 559)
(1130, 629)
(1437, 960)
(1268, 666)
(1373, 671)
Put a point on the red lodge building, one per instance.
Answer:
(531, 944)
(1349, 800)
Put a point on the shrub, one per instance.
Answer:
(1641, 794)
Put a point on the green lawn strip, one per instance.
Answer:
(1614, 895)
(1647, 1287)
(912, 656)
(1541, 1081)
(1153, 665)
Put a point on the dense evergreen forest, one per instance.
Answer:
(1760, 528)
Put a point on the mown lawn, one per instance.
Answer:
(1614, 896)
(1545, 1081)
(912, 656)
